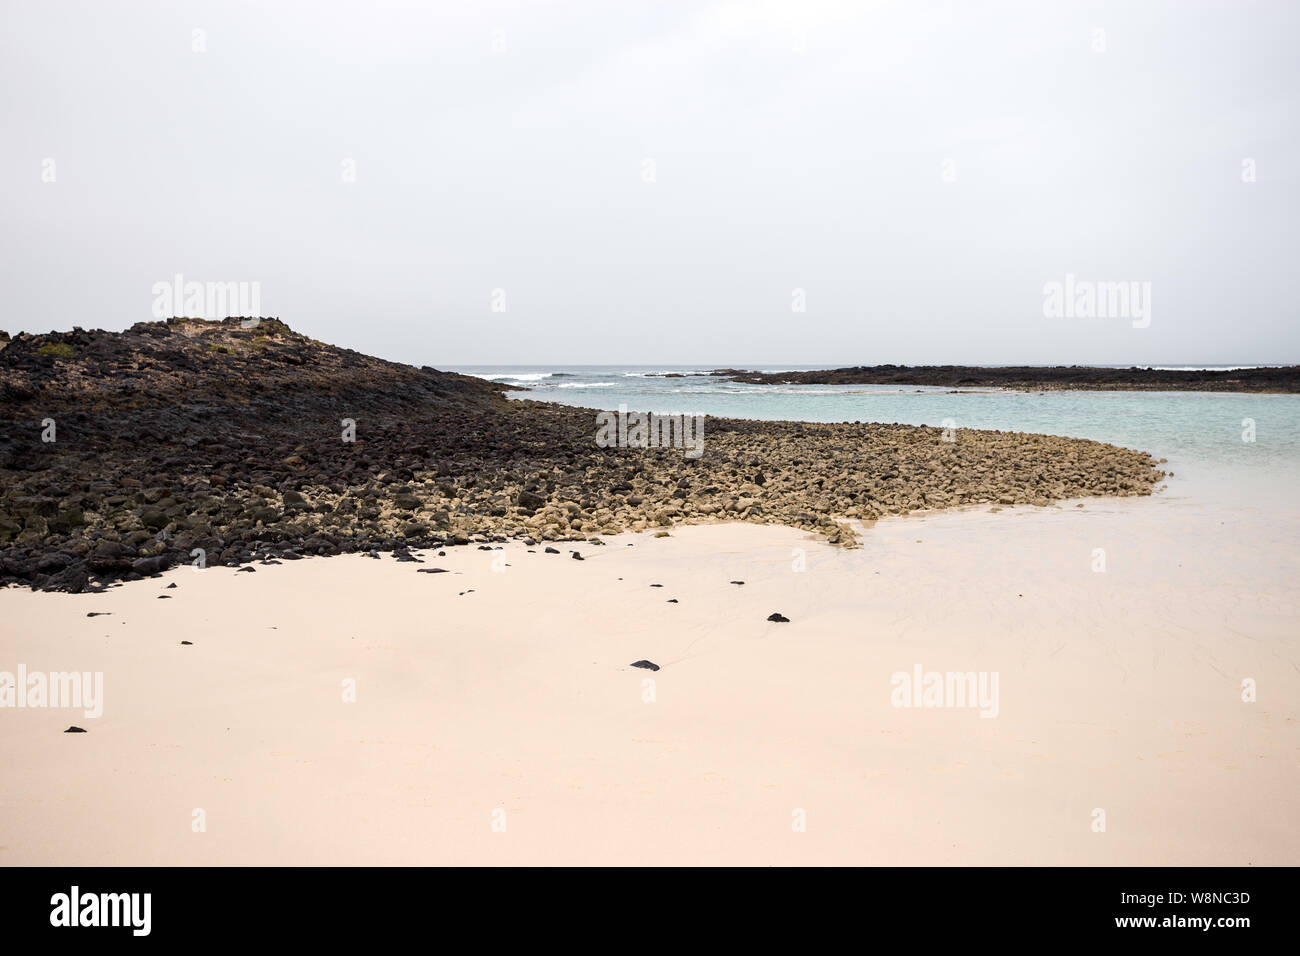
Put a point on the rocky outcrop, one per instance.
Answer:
(1034, 378)
(189, 441)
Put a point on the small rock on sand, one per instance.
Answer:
(778, 617)
(648, 665)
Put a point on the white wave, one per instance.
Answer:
(587, 385)
(670, 371)
(530, 377)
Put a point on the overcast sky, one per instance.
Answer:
(920, 170)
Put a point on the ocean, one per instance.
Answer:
(1242, 448)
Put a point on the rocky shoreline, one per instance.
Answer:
(1036, 378)
(124, 454)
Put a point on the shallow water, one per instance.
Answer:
(1200, 433)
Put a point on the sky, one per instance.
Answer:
(739, 184)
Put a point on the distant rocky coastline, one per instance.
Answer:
(1035, 378)
(184, 441)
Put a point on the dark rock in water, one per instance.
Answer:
(430, 570)
(778, 617)
(75, 730)
(97, 613)
(737, 582)
(646, 664)
(187, 642)
(576, 556)
(552, 551)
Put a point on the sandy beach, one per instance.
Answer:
(497, 719)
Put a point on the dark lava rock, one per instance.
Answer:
(656, 585)
(530, 501)
(75, 730)
(576, 556)
(778, 617)
(98, 613)
(737, 582)
(249, 570)
(147, 566)
(187, 642)
(172, 585)
(646, 664)
(185, 434)
(672, 600)
(430, 570)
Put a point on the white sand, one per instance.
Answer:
(1118, 690)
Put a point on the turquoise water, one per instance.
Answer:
(1200, 433)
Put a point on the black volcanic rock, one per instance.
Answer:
(199, 443)
(1035, 378)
